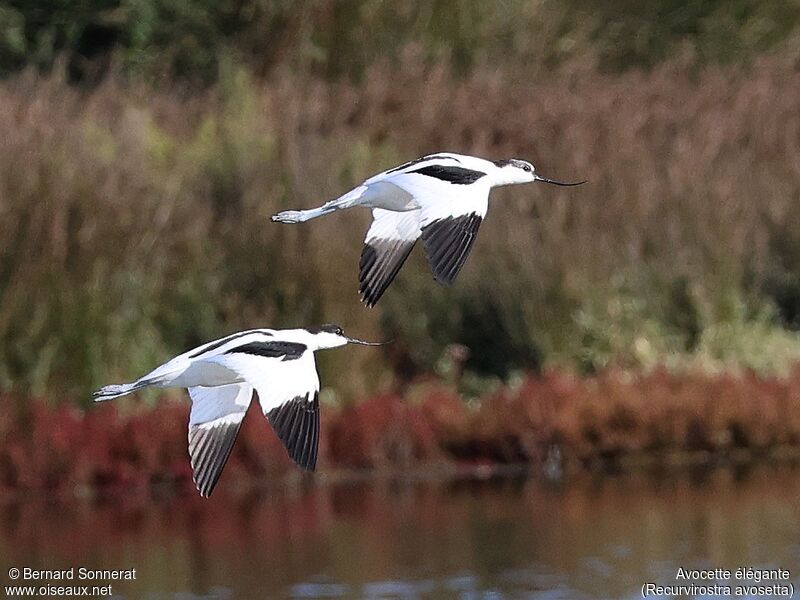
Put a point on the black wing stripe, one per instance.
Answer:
(422, 159)
(454, 175)
(448, 243)
(225, 340)
(381, 261)
(209, 449)
(296, 422)
(282, 350)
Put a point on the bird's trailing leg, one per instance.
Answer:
(110, 392)
(300, 216)
(352, 198)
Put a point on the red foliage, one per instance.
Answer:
(600, 418)
(382, 432)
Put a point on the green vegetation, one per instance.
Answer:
(161, 40)
(135, 211)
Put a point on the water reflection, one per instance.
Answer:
(513, 538)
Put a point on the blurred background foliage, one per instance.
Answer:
(147, 143)
(161, 40)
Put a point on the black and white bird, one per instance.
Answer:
(221, 377)
(441, 198)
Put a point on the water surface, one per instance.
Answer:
(592, 537)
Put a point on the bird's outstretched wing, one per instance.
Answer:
(387, 245)
(287, 383)
(214, 423)
(453, 201)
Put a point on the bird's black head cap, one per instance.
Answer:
(327, 328)
(520, 164)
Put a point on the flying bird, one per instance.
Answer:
(221, 377)
(441, 198)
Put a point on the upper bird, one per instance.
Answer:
(221, 376)
(441, 198)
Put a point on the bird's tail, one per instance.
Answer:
(109, 392)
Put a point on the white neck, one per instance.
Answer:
(501, 176)
(508, 175)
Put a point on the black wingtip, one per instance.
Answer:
(366, 302)
(448, 243)
(209, 450)
(296, 423)
(381, 261)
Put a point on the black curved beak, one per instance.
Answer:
(363, 343)
(554, 182)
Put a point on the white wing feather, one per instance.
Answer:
(288, 393)
(214, 423)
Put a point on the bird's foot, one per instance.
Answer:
(288, 216)
(109, 392)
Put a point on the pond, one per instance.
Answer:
(588, 537)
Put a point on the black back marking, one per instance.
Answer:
(296, 422)
(422, 159)
(225, 340)
(448, 243)
(455, 175)
(282, 350)
(380, 262)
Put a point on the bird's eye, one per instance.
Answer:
(339, 331)
(527, 168)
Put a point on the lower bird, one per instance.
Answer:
(221, 377)
(441, 198)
